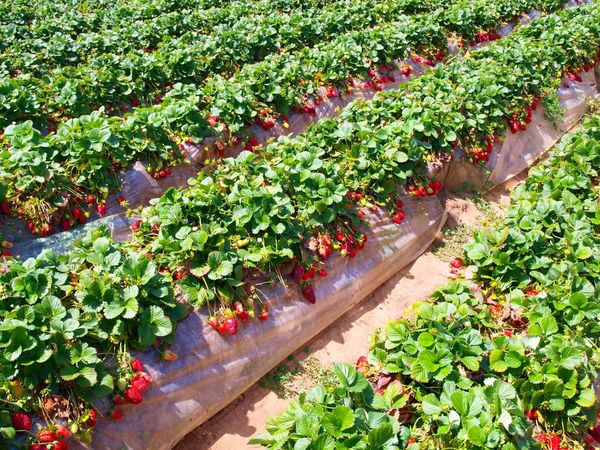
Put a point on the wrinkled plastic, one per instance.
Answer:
(212, 370)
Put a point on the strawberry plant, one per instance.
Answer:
(507, 358)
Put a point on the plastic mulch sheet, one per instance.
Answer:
(212, 370)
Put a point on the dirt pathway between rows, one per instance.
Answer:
(347, 338)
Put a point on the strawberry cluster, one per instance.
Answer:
(227, 321)
(486, 36)
(252, 143)
(519, 120)
(422, 190)
(455, 268)
(132, 383)
(266, 119)
(399, 215)
(551, 440)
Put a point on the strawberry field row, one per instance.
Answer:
(44, 177)
(36, 54)
(114, 80)
(68, 320)
(505, 358)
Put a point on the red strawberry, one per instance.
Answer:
(436, 185)
(232, 325)
(91, 422)
(254, 141)
(531, 293)
(136, 225)
(117, 414)
(46, 436)
(323, 272)
(134, 396)
(213, 322)
(309, 294)
(38, 447)
(21, 421)
(340, 236)
(6, 253)
(62, 431)
(508, 333)
(398, 217)
(399, 204)
(264, 316)
(61, 445)
(456, 263)
(119, 400)
(141, 381)
(137, 365)
(309, 274)
(76, 213)
(298, 273)
(5, 208)
(82, 219)
(222, 328)
(65, 225)
(213, 120)
(90, 199)
(121, 199)
(101, 208)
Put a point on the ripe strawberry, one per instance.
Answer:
(119, 400)
(117, 414)
(340, 236)
(61, 445)
(398, 217)
(90, 200)
(38, 447)
(264, 316)
(76, 213)
(21, 421)
(82, 219)
(6, 253)
(65, 225)
(93, 416)
(213, 120)
(213, 322)
(298, 273)
(531, 293)
(120, 199)
(436, 185)
(62, 431)
(232, 325)
(136, 225)
(137, 365)
(46, 436)
(508, 333)
(456, 263)
(141, 381)
(308, 274)
(323, 272)
(399, 204)
(133, 396)
(101, 208)
(5, 208)
(222, 328)
(309, 294)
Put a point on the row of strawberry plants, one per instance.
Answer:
(505, 359)
(304, 197)
(44, 176)
(67, 321)
(113, 80)
(23, 20)
(37, 54)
